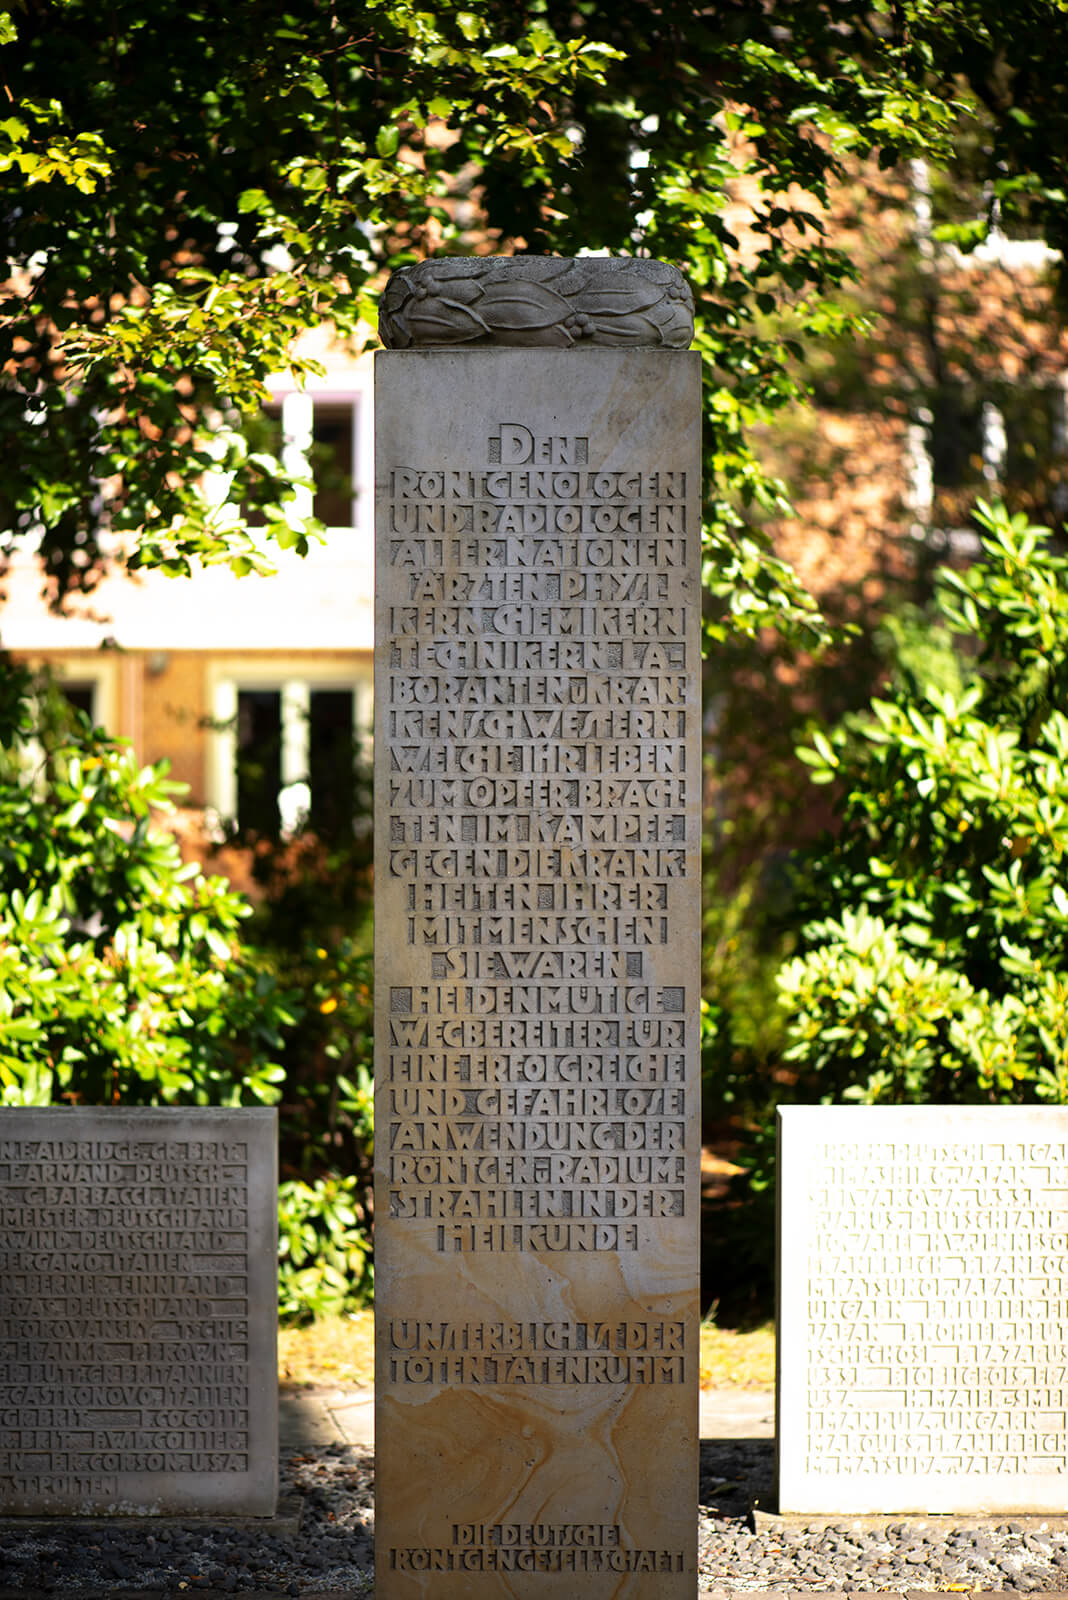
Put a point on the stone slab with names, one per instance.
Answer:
(923, 1309)
(537, 915)
(138, 1311)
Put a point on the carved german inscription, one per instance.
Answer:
(924, 1296)
(137, 1311)
(538, 786)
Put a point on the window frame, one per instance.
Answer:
(295, 681)
(297, 408)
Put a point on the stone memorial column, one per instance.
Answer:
(538, 830)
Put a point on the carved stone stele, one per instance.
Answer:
(548, 301)
(138, 1311)
(923, 1283)
(537, 972)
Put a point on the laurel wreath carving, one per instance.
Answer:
(538, 301)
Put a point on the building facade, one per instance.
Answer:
(255, 688)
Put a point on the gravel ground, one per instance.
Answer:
(333, 1549)
(898, 1556)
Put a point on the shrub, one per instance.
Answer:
(941, 971)
(313, 928)
(123, 977)
(324, 1252)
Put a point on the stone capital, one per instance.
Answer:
(549, 302)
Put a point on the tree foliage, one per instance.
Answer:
(122, 972)
(187, 187)
(128, 976)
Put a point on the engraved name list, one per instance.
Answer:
(133, 1351)
(923, 1270)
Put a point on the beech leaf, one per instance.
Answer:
(451, 322)
(626, 330)
(549, 334)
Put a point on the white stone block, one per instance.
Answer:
(923, 1309)
(138, 1311)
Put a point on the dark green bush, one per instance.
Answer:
(129, 977)
(936, 967)
(313, 928)
(123, 976)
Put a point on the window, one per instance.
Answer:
(81, 694)
(956, 443)
(980, 431)
(285, 755)
(314, 436)
(259, 760)
(91, 685)
(332, 461)
(331, 756)
(1007, 440)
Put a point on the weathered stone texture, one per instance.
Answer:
(138, 1311)
(923, 1285)
(553, 302)
(537, 805)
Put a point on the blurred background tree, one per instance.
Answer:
(185, 190)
